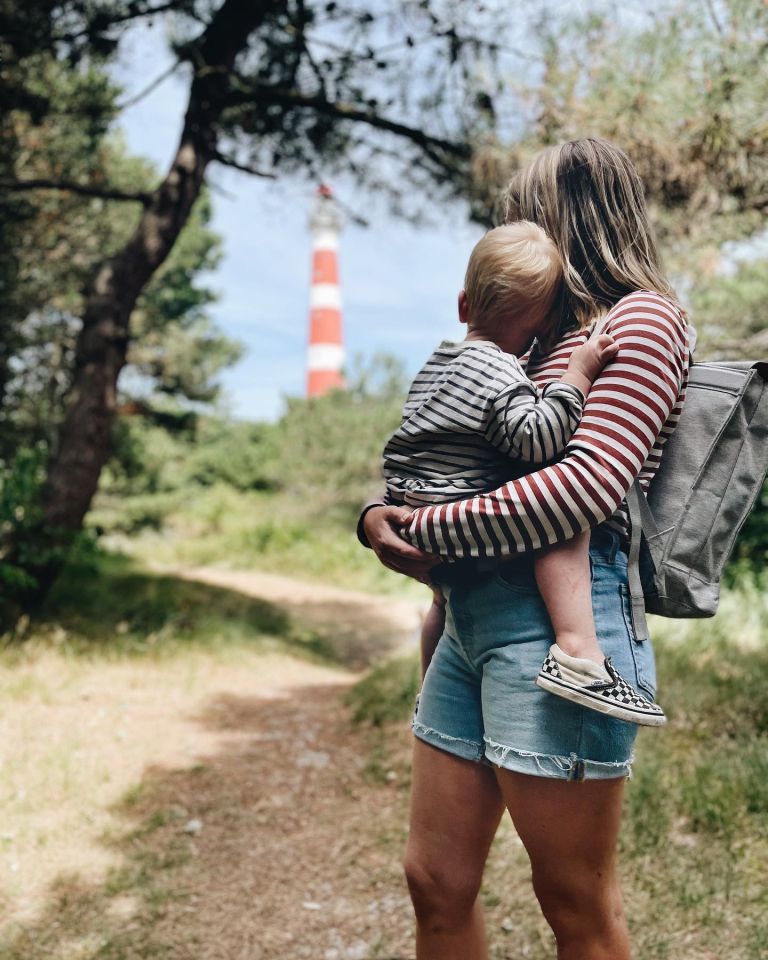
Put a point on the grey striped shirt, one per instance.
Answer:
(470, 410)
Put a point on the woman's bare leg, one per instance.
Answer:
(570, 832)
(456, 806)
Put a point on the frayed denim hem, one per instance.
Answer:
(466, 749)
(572, 767)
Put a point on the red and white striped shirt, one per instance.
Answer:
(631, 411)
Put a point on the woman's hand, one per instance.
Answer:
(381, 525)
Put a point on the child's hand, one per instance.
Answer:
(590, 358)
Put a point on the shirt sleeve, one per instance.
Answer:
(532, 424)
(625, 412)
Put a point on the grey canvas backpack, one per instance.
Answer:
(711, 473)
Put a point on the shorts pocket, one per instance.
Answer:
(642, 652)
(521, 584)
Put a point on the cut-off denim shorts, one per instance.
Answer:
(479, 700)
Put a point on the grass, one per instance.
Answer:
(265, 531)
(110, 606)
(387, 693)
(695, 837)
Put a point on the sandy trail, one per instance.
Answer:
(362, 626)
(208, 807)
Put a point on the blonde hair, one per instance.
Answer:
(589, 198)
(513, 272)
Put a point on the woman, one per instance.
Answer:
(486, 737)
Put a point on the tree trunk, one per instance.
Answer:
(83, 443)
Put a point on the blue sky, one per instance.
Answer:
(399, 283)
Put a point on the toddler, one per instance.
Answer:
(471, 409)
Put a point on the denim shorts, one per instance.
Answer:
(479, 700)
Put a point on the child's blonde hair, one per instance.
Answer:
(513, 272)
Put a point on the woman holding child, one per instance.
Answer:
(489, 733)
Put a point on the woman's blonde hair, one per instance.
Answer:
(588, 197)
(513, 272)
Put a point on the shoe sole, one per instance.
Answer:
(585, 699)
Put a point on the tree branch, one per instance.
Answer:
(493, 46)
(84, 189)
(242, 167)
(102, 21)
(433, 146)
(153, 85)
(714, 18)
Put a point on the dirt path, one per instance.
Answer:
(213, 806)
(363, 626)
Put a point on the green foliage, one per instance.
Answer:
(329, 448)
(47, 238)
(387, 693)
(176, 347)
(178, 351)
(20, 483)
(323, 457)
(727, 785)
(731, 312)
(234, 453)
(751, 552)
(282, 496)
(150, 459)
(109, 606)
(678, 87)
(243, 529)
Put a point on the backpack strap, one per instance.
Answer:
(640, 517)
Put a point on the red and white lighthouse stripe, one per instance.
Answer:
(325, 358)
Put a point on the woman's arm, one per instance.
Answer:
(627, 408)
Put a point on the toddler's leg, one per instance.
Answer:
(562, 575)
(432, 628)
(575, 667)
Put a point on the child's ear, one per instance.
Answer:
(463, 307)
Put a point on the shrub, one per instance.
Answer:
(20, 516)
(387, 693)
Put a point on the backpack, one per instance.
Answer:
(711, 472)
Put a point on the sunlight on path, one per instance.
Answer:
(207, 804)
(365, 626)
(78, 735)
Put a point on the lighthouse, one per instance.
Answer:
(325, 357)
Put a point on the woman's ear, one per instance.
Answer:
(463, 307)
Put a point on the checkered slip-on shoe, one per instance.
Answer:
(575, 680)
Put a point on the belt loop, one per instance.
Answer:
(606, 542)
